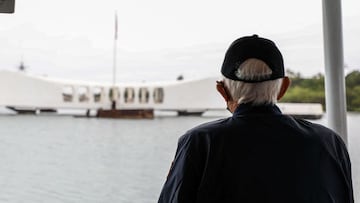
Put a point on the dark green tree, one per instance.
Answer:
(311, 90)
(353, 91)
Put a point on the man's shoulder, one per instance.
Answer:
(207, 128)
(211, 126)
(312, 126)
(323, 134)
(315, 127)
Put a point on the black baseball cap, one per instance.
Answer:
(253, 47)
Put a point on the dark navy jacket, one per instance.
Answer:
(259, 155)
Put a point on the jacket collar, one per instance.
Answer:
(249, 109)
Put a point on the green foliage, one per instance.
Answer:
(353, 91)
(353, 79)
(311, 90)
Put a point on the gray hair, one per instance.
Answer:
(255, 93)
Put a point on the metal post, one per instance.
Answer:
(334, 67)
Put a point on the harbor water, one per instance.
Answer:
(66, 159)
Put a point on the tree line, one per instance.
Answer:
(312, 90)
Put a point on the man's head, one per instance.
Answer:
(253, 71)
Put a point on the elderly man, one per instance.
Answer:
(258, 154)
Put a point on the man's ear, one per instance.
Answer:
(221, 89)
(284, 86)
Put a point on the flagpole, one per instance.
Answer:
(115, 50)
(114, 92)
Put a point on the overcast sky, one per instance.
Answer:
(160, 39)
